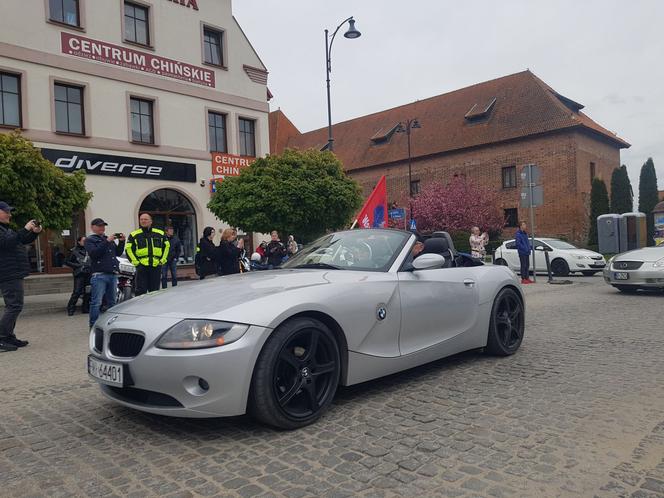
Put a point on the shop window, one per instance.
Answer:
(69, 109)
(169, 207)
(10, 100)
(217, 132)
(142, 120)
(136, 24)
(511, 217)
(414, 187)
(49, 252)
(509, 177)
(65, 12)
(247, 137)
(212, 47)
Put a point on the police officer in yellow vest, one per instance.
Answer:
(147, 249)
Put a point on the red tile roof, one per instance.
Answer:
(524, 105)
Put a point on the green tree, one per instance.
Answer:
(36, 187)
(303, 193)
(622, 195)
(599, 204)
(648, 195)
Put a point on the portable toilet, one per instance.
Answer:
(637, 230)
(611, 234)
(658, 215)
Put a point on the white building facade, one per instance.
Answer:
(140, 94)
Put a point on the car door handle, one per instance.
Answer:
(469, 283)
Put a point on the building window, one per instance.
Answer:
(10, 100)
(247, 137)
(64, 11)
(217, 132)
(142, 120)
(69, 109)
(136, 23)
(592, 172)
(511, 217)
(509, 177)
(212, 48)
(414, 187)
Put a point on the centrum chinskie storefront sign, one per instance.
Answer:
(132, 167)
(116, 55)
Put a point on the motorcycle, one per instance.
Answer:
(126, 278)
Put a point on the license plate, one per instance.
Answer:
(621, 275)
(106, 372)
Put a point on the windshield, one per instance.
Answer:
(362, 249)
(559, 244)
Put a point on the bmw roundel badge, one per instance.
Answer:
(381, 313)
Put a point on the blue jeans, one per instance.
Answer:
(104, 285)
(172, 265)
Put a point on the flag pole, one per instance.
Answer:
(353, 225)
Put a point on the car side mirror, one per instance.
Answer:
(429, 262)
(540, 248)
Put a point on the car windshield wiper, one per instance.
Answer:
(324, 266)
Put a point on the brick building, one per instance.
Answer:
(486, 132)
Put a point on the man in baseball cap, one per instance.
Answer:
(14, 267)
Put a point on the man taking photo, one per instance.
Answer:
(147, 249)
(104, 266)
(14, 267)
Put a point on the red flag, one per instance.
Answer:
(374, 212)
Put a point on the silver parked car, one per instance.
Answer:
(350, 307)
(638, 269)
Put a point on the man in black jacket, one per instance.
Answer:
(174, 252)
(104, 266)
(79, 262)
(14, 267)
(275, 250)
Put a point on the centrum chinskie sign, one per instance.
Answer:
(116, 55)
(132, 167)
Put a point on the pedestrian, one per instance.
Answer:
(291, 246)
(147, 249)
(14, 267)
(79, 262)
(262, 251)
(174, 252)
(478, 243)
(207, 254)
(275, 250)
(104, 266)
(523, 247)
(229, 253)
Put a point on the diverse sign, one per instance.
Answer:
(229, 164)
(132, 167)
(116, 55)
(190, 4)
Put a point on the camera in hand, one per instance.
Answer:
(117, 235)
(37, 223)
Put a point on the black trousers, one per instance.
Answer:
(80, 282)
(12, 293)
(148, 279)
(525, 265)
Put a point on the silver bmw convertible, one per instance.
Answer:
(348, 308)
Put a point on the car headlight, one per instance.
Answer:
(659, 263)
(198, 334)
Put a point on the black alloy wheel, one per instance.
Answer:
(507, 325)
(296, 374)
(501, 262)
(559, 267)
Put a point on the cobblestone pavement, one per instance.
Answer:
(578, 411)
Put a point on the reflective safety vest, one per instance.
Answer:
(148, 247)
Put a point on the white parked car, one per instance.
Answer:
(564, 257)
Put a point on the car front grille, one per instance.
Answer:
(627, 265)
(99, 339)
(125, 344)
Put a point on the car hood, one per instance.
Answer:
(649, 254)
(210, 297)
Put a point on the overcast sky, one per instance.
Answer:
(606, 54)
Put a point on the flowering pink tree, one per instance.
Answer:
(457, 206)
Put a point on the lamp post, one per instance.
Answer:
(352, 33)
(406, 128)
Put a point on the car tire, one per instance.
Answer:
(296, 374)
(500, 262)
(507, 324)
(588, 273)
(627, 289)
(559, 267)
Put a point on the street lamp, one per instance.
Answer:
(352, 33)
(411, 124)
